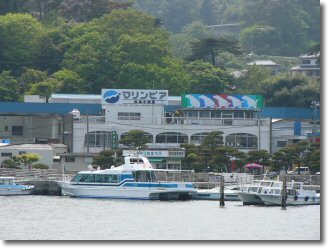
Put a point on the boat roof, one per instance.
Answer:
(7, 177)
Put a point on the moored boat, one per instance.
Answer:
(135, 179)
(230, 194)
(249, 194)
(8, 186)
(296, 194)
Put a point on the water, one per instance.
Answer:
(64, 218)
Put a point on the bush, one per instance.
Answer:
(9, 163)
(40, 166)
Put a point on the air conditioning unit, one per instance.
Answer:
(76, 114)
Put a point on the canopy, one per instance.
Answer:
(253, 165)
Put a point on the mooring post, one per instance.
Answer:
(283, 202)
(222, 191)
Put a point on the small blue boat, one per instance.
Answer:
(9, 187)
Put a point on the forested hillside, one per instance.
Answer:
(82, 46)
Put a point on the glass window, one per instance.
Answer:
(171, 137)
(5, 154)
(242, 140)
(129, 116)
(100, 139)
(88, 178)
(69, 159)
(17, 130)
(77, 178)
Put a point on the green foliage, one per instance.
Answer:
(27, 159)
(20, 41)
(9, 163)
(9, 87)
(40, 166)
(260, 39)
(45, 88)
(105, 159)
(206, 78)
(210, 48)
(135, 139)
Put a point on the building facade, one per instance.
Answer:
(309, 67)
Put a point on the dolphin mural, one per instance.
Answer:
(220, 102)
(235, 102)
(206, 102)
(192, 101)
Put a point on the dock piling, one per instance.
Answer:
(222, 191)
(283, 202)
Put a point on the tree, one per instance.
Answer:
(71, 82)
(205, 78)
(213, 139)
(9, 163)
(27, 159)
(9, 87)
(30, 77)
(20, 42)
(105, 159)
(135, 139)
(212, 47)
(45, 88)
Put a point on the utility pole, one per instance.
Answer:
(87, 139)
(315, 105)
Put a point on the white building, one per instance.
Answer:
(168, 125)
(308, 67)
(48, 153)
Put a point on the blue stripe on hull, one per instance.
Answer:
(114, 197)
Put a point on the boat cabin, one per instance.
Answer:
(7, 181)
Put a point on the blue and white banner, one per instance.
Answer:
(134, 96)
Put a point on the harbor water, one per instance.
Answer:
(62, 218)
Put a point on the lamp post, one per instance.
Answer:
(314, 105)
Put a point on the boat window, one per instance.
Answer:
(112, 178)
(87, 178)
(136, 160)
(77, 178)
(144, 176)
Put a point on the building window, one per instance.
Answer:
(6, 128)
(200, 137)
(22, 152)
(242, 140)
(305, 62)
(282, 144)
(129, 116)
(69, 159)
(99, 139)
(17, 130)
(5, 154)
(147, 136)
(171, 137)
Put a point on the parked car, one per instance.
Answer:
(303, 170)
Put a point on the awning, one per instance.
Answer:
(160, 159)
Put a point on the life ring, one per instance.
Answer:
(306, 198)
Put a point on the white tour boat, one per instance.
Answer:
(230, 194)
(249, 194)
(296, 194)
(9, 187)
(135, 179)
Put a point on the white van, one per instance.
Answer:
(303, 170)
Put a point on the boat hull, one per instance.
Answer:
(207, 195)
(250, 198)
(276, 200)
(15, 191)
(140, 191)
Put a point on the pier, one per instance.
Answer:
(45, 181)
